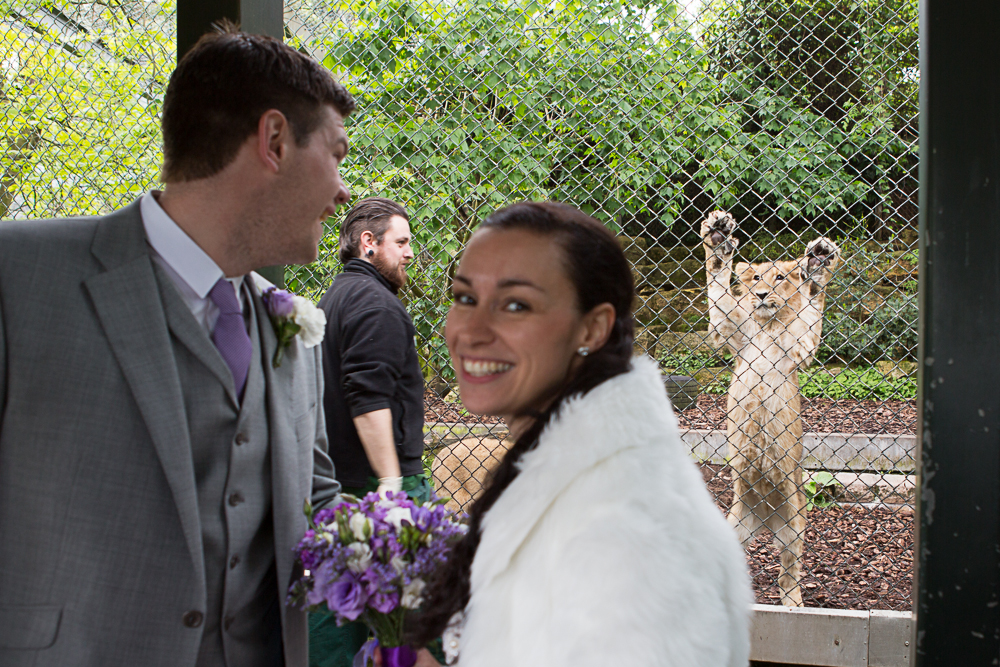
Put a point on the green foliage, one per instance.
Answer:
(821, 490)
(691, 364)
(838, 78)
(469, 105)
(428, 319)
(866, 321)
(79, 115)
(861, 383)
(465, 107)
(427, 460)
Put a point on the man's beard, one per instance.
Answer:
(395, 275)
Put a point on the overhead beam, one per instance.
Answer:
(196, 17)
(957, 583)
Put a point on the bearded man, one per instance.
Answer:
(374, 398)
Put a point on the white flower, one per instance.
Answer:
(359, 525)
(411, 594)
(397, 515)
(398, 564)
(386, 503)
(310, 318)
(453, 637)
(360, 558)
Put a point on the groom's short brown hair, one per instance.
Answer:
(222, 87)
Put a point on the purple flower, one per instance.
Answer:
(347, 597)
(321, 581)
(384, 602)
(404, 544)
(279, 302)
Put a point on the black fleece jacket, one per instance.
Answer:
(370, 363)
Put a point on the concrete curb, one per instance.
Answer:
(855, 452)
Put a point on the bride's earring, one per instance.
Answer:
(583, 351)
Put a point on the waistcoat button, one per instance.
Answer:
(234, 561)
(193, 619)
(242, 438)
(235, 498)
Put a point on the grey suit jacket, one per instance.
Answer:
(100, 544)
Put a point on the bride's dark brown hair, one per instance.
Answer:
(596, 266)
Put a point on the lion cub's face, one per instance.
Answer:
(771, 288)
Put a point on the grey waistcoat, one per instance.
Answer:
(232, 466)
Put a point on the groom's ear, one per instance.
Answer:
(273, 136)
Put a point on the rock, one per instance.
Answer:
(908, 237)
(716, 375)
(652, 341)
(439, 386)
(637, 241)
(634, 247)
(871, 487)
(461, 470)
(685, 274)
(672, 308)
(896, 369)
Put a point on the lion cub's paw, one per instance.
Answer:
(717, 230)
(822, 252)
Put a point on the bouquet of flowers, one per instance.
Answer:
(369, 559)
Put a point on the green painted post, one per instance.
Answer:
(263, 17)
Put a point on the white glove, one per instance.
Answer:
(394, 484)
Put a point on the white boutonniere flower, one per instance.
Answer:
(292, 315)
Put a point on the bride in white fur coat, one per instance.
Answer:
(596, 543)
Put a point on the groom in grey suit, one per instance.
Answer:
(154, 460)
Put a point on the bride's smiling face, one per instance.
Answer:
(514, 327)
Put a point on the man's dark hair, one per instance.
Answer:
(222, 87)
(368, 215)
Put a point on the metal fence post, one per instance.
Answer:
(957, 584)
(264, 17)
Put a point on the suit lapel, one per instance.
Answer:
(126, 298)
(192, 335)
(286, 468)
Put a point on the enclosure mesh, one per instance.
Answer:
(798, 118)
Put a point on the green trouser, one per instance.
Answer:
(332, 646)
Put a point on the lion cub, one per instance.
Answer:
(772, 321)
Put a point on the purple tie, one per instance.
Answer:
(230, 333)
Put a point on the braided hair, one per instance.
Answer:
(596, 266)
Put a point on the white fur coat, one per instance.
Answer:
(607, 550)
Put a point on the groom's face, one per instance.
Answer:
(308, 190)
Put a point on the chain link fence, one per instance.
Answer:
(81, 85)
(798, 118)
